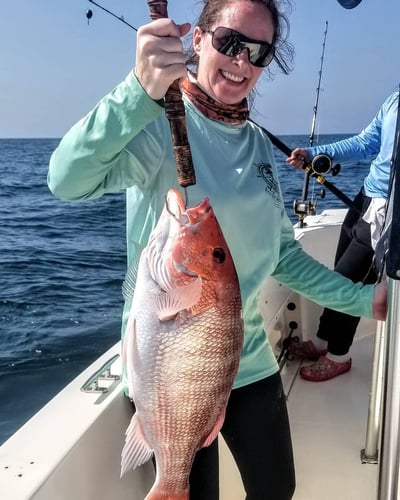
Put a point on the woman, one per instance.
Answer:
(124, 143)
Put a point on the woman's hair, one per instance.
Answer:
(283, 49)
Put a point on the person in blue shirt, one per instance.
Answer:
(358, 237)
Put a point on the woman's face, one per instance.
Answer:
(230, 79)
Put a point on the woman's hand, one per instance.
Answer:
(379, 304)
(159, 56)
(298, 158)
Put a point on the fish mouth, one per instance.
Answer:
(188, 218)
(197, 213)
(176, 207)
(164, 252)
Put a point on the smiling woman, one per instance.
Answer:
(125, 143)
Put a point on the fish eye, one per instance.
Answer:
(219, 255)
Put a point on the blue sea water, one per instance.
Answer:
(61, 269)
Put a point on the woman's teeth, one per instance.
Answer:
(233, 78)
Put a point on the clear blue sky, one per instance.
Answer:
(54, 67)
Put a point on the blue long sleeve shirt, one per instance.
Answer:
(376, 140)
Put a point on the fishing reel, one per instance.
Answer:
(302, 208)
(305, 207)
(322, 165)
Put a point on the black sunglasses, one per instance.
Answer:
(230, 43)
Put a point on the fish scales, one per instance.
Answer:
(182, 345)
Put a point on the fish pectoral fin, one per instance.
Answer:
(177, 299)
(136, 451)
(215, 430)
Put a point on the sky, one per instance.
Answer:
(54, 66)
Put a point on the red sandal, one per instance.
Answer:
(324, 369)
(306, 350)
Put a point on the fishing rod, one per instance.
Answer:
(315, 109)
(174, 106)
(320, 165)
(318, 168)
(304, 202)
(89, 14)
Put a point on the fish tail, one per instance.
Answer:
(156, 494)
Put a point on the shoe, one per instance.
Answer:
(306, 350)
(324, 369)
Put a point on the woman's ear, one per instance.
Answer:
(197, 37)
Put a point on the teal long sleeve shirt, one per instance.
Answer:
(124, 143)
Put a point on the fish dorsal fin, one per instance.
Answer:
(136, 451)
(170, 303)
(129, 283)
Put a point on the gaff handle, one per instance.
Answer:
(175, 111)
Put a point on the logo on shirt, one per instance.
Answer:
(264, 170)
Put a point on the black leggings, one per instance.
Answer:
(354, 256)
(256, 430)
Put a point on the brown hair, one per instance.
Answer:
(283, 49)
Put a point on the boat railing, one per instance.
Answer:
(389, 460)
(369, 454)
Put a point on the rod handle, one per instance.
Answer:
(175, 112)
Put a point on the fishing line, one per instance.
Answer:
(89, 14)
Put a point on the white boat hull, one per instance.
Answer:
(71, 448)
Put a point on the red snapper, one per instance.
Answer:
(182, 344)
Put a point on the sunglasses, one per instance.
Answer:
(230, 43)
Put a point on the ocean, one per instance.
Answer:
(62, 266)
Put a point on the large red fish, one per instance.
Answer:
(182, 345)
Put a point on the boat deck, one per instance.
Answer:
(328, 424)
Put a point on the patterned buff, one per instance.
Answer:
(228, 113)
